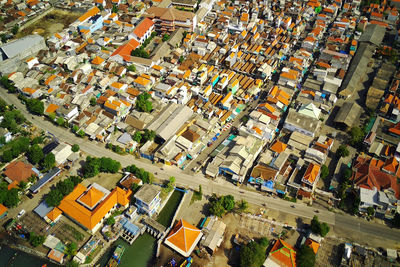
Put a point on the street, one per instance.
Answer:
(343, 224)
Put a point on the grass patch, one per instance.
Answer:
(78, 236)
(290, 199)
(197, 196)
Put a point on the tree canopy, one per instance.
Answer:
(75, 148)
(342, 151)
(35, 154)
(94, 166)
(305, 257)
(35, 106)
(36, 240)
(324, 171)
(140, 173)
(356, 135)
(319, 228)
(220, 205)
(253, 254)
(143, 104)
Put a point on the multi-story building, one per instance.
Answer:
(168, 19)
(148, 199)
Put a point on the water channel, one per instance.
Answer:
(22, 259)
(142, 251)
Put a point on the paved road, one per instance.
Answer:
(341, 223)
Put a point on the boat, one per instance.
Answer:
(187, 262)
(116, 257)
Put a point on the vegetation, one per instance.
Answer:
(197, 195)
(35, 106)
(131, 68)
(36, 240)
(35, 154)
(12, 120)
(319, 228)
(62, 188)
(140, 52)
(324, 172)
(60, 121)
(242, 205)
(140, 173)
(396, 220)
(135, 187)
(370, 211)
(305, 257)
(143, 137)
(114, 9)
(110, 220)
(9, 198)
(15, 29)
(80, 133)
(14, 148)
(75, 148)
(245, 119)
(93, 101)
(342, 151)
(94, 166)
(166, 37)
(181, 59)
(220, 205)
(6, 83)
(49, 161)
(169, 185)
(356, 136)
(143, 104)
(253, 254)
(73, 263)
(71, 249)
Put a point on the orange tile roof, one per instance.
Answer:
(183, 235)
(312, 173)
(390, 165)
(125, 50)
(54, 213)
(283, 254)
(29, 90)
(142, 81)
(312, 244)
(97, 60)
(143, 27)
(49, 79)
(51, 108)
(90, 218)
(90, 13)
(278, 147)
(91, 197)
(3, 209)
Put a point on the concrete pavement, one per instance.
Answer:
(342, 223)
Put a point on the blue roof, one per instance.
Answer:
(269, 184)
(130, 227)
(42, 209)
(50, 175)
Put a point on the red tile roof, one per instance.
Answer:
(143, 27)
(125, 50)
(19, 171)
(283, 254)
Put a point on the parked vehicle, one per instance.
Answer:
(22, 212)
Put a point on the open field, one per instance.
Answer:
(50, 24)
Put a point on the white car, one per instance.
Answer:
(22, 212)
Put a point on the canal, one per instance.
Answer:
(22, 259)
(141, 252)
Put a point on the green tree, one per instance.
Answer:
(217, 208)
(324, 171)
(75, 129)
(319, 228)
(35, 154)
(370, 211)
(131, 68)
(49, 161)
(110, 220)
(242, 205)
(53, 198)
(93, 101)
(356, 135)
(75, 148)
(166, 37)
(7, 156)
(181, 59)
(6, 83)
(149, 135)
(11, 198)
(253, 254)
(36, 240)
(305, 257)
(35, 106)
(52, 116)
(65, 187)
(135, 187)
(60, 121)
(71, 249)
(81, 133)
(15, 29)
(143, 104)
(228, 202)
(342, 151)
(137, 137)
(114, 9)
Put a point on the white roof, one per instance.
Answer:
(310, 110)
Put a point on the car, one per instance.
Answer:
(22, 212)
